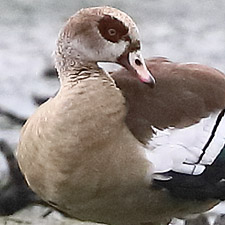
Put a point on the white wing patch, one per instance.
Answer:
(188, 150)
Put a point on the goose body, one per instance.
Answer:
(92, 153)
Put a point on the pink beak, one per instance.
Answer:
(134, 62)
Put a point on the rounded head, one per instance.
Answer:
(103, 34)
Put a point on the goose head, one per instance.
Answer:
(102, 34)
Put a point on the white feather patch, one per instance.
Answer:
(181, 150)
(109, 52)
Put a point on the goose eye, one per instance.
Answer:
(112, 29)
(112, 32)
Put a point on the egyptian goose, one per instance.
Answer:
(80, 153)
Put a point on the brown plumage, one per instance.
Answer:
(183, 94)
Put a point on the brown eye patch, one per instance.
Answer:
(112, 29)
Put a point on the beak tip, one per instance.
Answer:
(151, 84)
(150, 80)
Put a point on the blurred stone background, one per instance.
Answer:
(184, 31)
